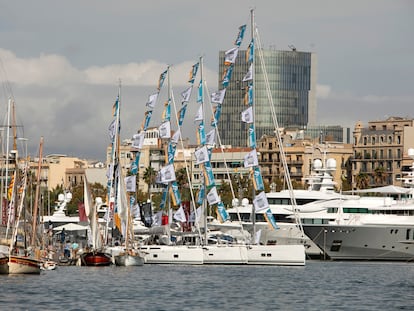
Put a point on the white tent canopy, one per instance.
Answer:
(70, 227)
(385, 190)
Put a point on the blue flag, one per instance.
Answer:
(240, 35)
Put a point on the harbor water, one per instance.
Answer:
(317, 286)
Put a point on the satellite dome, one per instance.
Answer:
(317, 164)
(98, 200)
(331, 164)
(235, 202)
(61, 197)
(245, 202)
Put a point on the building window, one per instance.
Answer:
(390, 140)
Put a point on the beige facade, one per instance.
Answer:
(300, 155)
(225, 162)
(382, 145)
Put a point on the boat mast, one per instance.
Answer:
(254, 118)
(278, 136)
(6, 184)
(36, 203)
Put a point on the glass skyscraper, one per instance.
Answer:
(292, 80)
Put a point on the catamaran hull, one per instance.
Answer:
(23, 265)
(126, 260)
(96, 259)
(166, 254)
(366, 242)
(225, 254)
(279, 255)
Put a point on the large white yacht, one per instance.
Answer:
(365, 228)
(321, 188)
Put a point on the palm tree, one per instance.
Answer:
(149, 178)
(379, 175)
(182, 181)
(362, 180)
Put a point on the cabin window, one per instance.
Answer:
(407, 236)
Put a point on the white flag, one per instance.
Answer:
(167, 173)
(196, 216)
(176, 137)
(201, 155)
(218, 97)
(212, 196)
(249, 74)
(260, 202)
(247, 115)
(179, 215)
(250, 159)
(157, 219)
(257, 237)
(211, 137)
(112, 129)
(165, 129)
(138, 140)
(152, 100)
(130, 182)
(230, 56)
(199, 116)
(135, 211)
(186, 94)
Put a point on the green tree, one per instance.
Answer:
(149, 178)
(183, 184)
(379, 176)
(362, 180)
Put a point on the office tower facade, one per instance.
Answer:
(292, 79)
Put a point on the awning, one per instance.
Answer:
(385, 190)
(70, 227)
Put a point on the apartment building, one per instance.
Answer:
(380, 151)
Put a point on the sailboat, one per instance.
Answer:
(94, 256)
(21, 258)
(129, 256)
(168, 252)
(281, 254)
(257, 254)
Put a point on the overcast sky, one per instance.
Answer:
(61, 61)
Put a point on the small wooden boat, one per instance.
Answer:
(48, 265)
(96, 258)
(129, 258)
(23, 265)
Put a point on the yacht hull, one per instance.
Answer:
(364, 242)
(225, 254)
(166, 254)
(279, 255)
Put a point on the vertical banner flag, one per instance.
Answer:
(260, 202)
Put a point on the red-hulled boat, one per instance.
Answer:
(96, 258)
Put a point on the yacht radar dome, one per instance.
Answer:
(317, 164)
(331, 164)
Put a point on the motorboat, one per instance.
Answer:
(379, 227)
